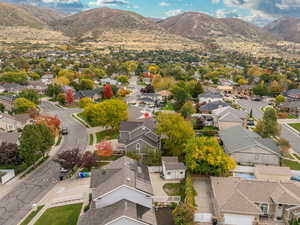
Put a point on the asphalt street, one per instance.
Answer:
(254, 105)
(18, 202)
(286, 133)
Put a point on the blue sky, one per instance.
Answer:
(258, 12)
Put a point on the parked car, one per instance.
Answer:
(250, 123)
(64, 131)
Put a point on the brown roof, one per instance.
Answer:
(237, 195)
(272, 170)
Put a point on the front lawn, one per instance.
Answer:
(168, 106)
(295, 126)
(61, 215)
(84, 118)
(31, 215)
(292, 116)
(172, 189)
(292, 164)
(107, 135)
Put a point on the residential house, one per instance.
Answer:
(121, 194)
(9, 137)
(172, 169)
(12, 123)
(210, 97)
(293, 94)
(248, 148)
(7, 101)
(225, 89)
(272, 173)
(37, 85)
(211, 106)
(227, 117)
(290, 107)
(238, 201)
(138, 136)
(47, 79)
(94, 94)
(13, 87)
(243, 90)
(109, 81)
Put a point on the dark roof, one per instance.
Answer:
(239, 138)
(87, 93)
(123, 171)
(213, 105)
(293, 92)
(130, 125)
(7, 98)
(102, 216)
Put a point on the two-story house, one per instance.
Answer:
(121, 194)
(138, 136)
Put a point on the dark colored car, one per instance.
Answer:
(64, 131)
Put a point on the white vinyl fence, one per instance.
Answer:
(8, 175)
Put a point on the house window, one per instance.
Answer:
(181, 172)
(138, 147)
(264, 208)
(256, 157)
(169, 173)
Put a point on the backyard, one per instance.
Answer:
(61, 215)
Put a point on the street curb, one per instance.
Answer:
(291, 128)
(80, 121)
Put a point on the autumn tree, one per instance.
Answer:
(22, 105)
(53, 90)
(189, 191)
(123, 79)
(62, 81)
(204, 155)
(183, 214)
(84, 102)
(69, 95)
(86, 84)
(30, 94)
(176, 130)
(107, 91)
(268, 126)
(69, 159)
(279, 99)
(108, 113)
(187, 109)
(88, 160)
(61, 98)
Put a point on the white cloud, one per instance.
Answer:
(174, 12)
(60, 1)
(103, 3)
(164, 4)
(215, 1)
(222, 13)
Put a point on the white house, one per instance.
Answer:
(210, 97)
(121, 194)
(173, 169)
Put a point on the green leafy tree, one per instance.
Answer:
(53, 90)
(2, 107)
(195, 88)
(123, 79)
(86, 84)
(108, 113)
(183, 214)
(22, 105)
(61, 98)
(187, 109)
(268, 126)
(35, 141)
(181, 94)
(204, 155)
(31, 95)
(190, 191)
(14, 77)
(176, 130)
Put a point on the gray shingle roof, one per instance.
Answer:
(107, 214)
(9, 137)
(124, 171)
(239, 138)
(213, 105)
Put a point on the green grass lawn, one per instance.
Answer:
(292, 164)
(107, 135)
(297, 156)
(168, 106)
(61, 215)
(172, 189)
(295, 126)
(291, 116)
(31, 215)
(84, 118)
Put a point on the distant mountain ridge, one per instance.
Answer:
(200, 26)
(286, 27)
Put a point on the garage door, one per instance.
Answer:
(234, 219)
(202, 217)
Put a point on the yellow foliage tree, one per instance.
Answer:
(204, 155)
(61, 81)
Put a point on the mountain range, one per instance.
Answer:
(113, 26)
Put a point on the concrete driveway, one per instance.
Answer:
(158, 183)
(203, 199)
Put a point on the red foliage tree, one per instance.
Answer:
(69, 96)
(88, 160)
(104, 148)
(52, 122)
(107, 91)
(69, 159)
